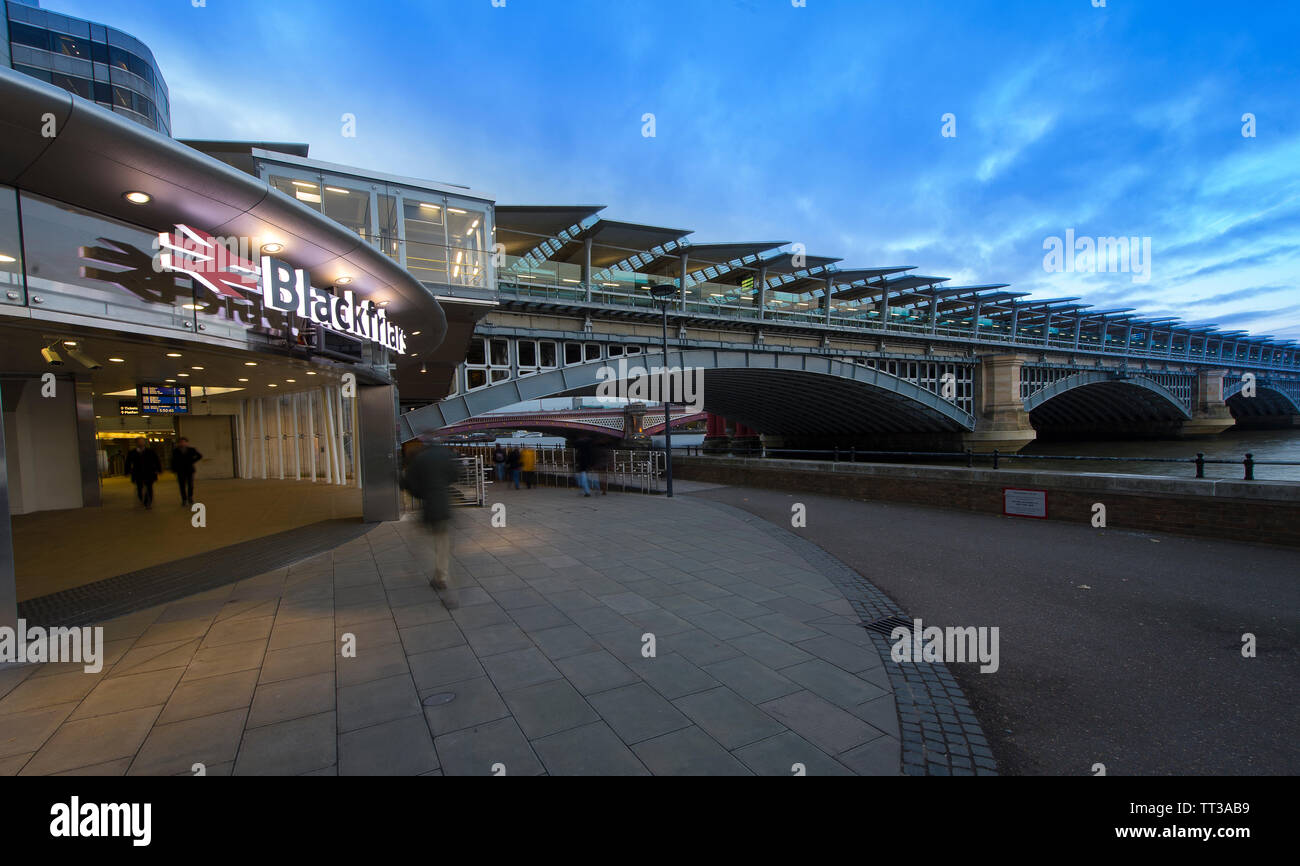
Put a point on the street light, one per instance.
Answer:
(663, 293)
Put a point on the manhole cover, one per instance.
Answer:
(439, 699)
(887, 625)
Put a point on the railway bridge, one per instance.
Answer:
(795, 348)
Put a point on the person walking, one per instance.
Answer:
(499, 461)
(582, 464)
(143, 466)
(428, 477)
(183, 459)
(514, 463)
(528, 463)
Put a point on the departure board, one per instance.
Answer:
(164, 399)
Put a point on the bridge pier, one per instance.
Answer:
(1210, 414)
(1002, 423)
(716, 440)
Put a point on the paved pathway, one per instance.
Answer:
(537, 666)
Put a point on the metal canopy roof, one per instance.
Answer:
(522, 227)
(700, 256)
(897, 284)
(613, 241)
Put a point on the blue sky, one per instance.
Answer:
(819, 124)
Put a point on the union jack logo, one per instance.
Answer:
(209, 261)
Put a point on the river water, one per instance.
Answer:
(1231, 445)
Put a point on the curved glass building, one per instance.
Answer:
(99, 63)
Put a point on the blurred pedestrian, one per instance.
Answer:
(514, 464)
(582, 464)
(428, 477)
(499, 461)
(143, 465)
(528, 463)
(183, 459)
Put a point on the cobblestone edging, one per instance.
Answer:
(939, 731)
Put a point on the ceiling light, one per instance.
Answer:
(273, 385)
(183, 375)
(194, 306)
(304, 184)
(383, 303)
(311, 372)
(70, 343)
(342, 281)
(424, 368)
(7, 259)
(456, 210)
(169, 380)
(291, 381)
(336, 189)
(430, 206)
(137, 197)
(250, 363)
(118, 360)
(243, 380)
(173, 354)
(415, 333)
(196, 368)
(272, 247)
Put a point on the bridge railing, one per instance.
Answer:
(995, 459)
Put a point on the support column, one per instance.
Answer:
(8, 579)
(1210, 414)
(830, 290)
(1001, 420)
(586, 267)
(377, 426)
(746, 441)
(87, 449)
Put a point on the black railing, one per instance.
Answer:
(854, 455)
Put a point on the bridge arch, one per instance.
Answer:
(773, 392)
(1102, 399)
(1268, 401)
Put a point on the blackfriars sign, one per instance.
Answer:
(221, 265)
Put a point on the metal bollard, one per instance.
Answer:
(1200, 465)
(970, 459)
(995, 458)
(1250, 467)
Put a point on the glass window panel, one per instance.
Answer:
(477, 354)
(500, 375)
(307, 192)
(69, 45)
(347, 205)
(527, 353)
(426, 240)
(389, 236)
(500, 353)
(573, 353)
(475, 378)
(593, 351)
(11, 254)
(548, 353)
(615, 350)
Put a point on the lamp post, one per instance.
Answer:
(663, 294)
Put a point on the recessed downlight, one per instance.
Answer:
(250, 363)
(273, 385)
(173, 354)
(243, 380)
(196, 368)
(117, 360)
(342, 281)
(291, 381)
(311, 372)
(272, 248)
(136, 197)
(183, 375)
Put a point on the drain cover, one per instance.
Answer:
(439, 699)
(887, 625)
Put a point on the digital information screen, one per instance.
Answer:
(164, 399)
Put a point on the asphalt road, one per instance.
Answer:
(1116, 647)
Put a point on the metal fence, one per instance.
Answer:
(631, 470)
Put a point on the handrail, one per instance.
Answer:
(1200, 461)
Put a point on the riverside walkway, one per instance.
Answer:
(532, 663)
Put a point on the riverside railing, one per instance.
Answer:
(995, 458)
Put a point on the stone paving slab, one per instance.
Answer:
(621, 635)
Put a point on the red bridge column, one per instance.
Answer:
(716, 439)
(746, 440)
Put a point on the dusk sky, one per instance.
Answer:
(819, 124)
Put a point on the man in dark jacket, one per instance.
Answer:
(428, 477)
(183, 459)
(143, 466)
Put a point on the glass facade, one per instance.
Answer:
(442, 239)
(98, 63)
